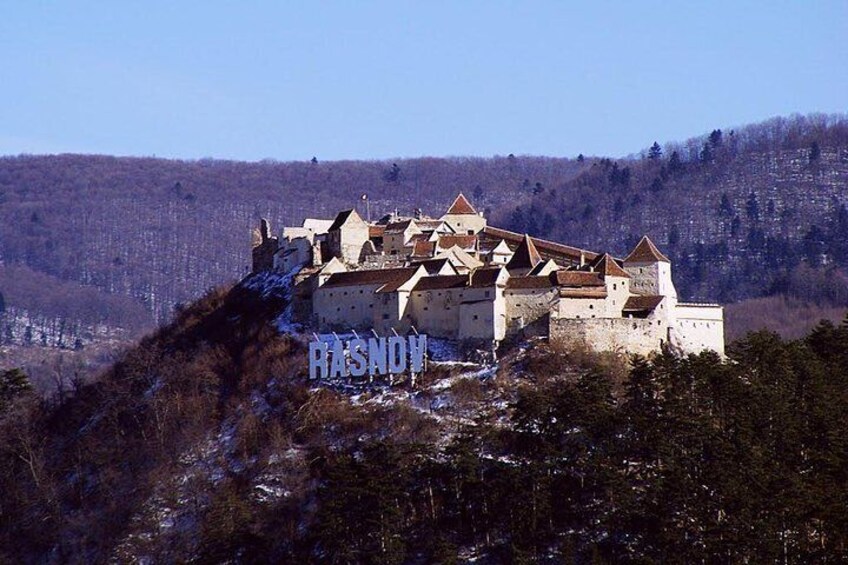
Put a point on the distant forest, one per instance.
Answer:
(745, 213)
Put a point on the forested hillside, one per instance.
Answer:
(756, 211)
(162, 232)
(206, 443)
(120, 242)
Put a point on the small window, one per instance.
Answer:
(591, 306)
(476, 316)
(370, 305)
(353, 307)
(486, 294)
(426, 308)
(331, 294)
(385, 316)
(345, 293)
(338, 309)
(614, 286)
(360, 292)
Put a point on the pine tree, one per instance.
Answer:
(674, 163)
(655, 152)
(14, 383)
(815, 152)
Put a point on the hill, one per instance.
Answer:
(207, 443)
(755, 211)
(758, 211)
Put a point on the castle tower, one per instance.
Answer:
(347, 237)
(463, 218)
(264, 246)
(650, 270)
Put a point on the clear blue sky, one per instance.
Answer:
(351, 80)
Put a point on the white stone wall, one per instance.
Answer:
(612, 334)
(345, 306)
(644, 277)
(436, 312)
(618, 291)
(651, 278)
(293, 253)
(525, 306)
(698, 327)
(582, 308)
(477, 320)
(353, 239)
(464, 223)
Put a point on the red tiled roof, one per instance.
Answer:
(526, 256)
(422, 248)
(428, 225)
(369, 277)
(464, 242)
(461, 206)
(642, 303)
(646, 252)
(607, 267)
(398, 227)
(433, 266)
(576, 279)
(582, 293)
(376, 231)
(529, 282)
(543, 245)
(484, 277)
(440, 282)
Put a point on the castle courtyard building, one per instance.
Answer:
(458, 278)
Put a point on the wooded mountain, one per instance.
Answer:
(123, 241)
(756, 211)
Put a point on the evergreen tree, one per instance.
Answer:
(815, 152)
(716, 138)
(706, 155)
(13, 384)
(675, 164)
(655, 152)
(752, 207)
(725, 208)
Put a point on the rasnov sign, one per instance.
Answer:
(373, 356)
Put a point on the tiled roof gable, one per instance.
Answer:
(607, 267)
(642, 303)
(645, 252)
(576, 279)
(526, 256)
(461, 206)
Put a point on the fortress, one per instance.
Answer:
(456, 277)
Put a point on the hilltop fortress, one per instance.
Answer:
(456, 277)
